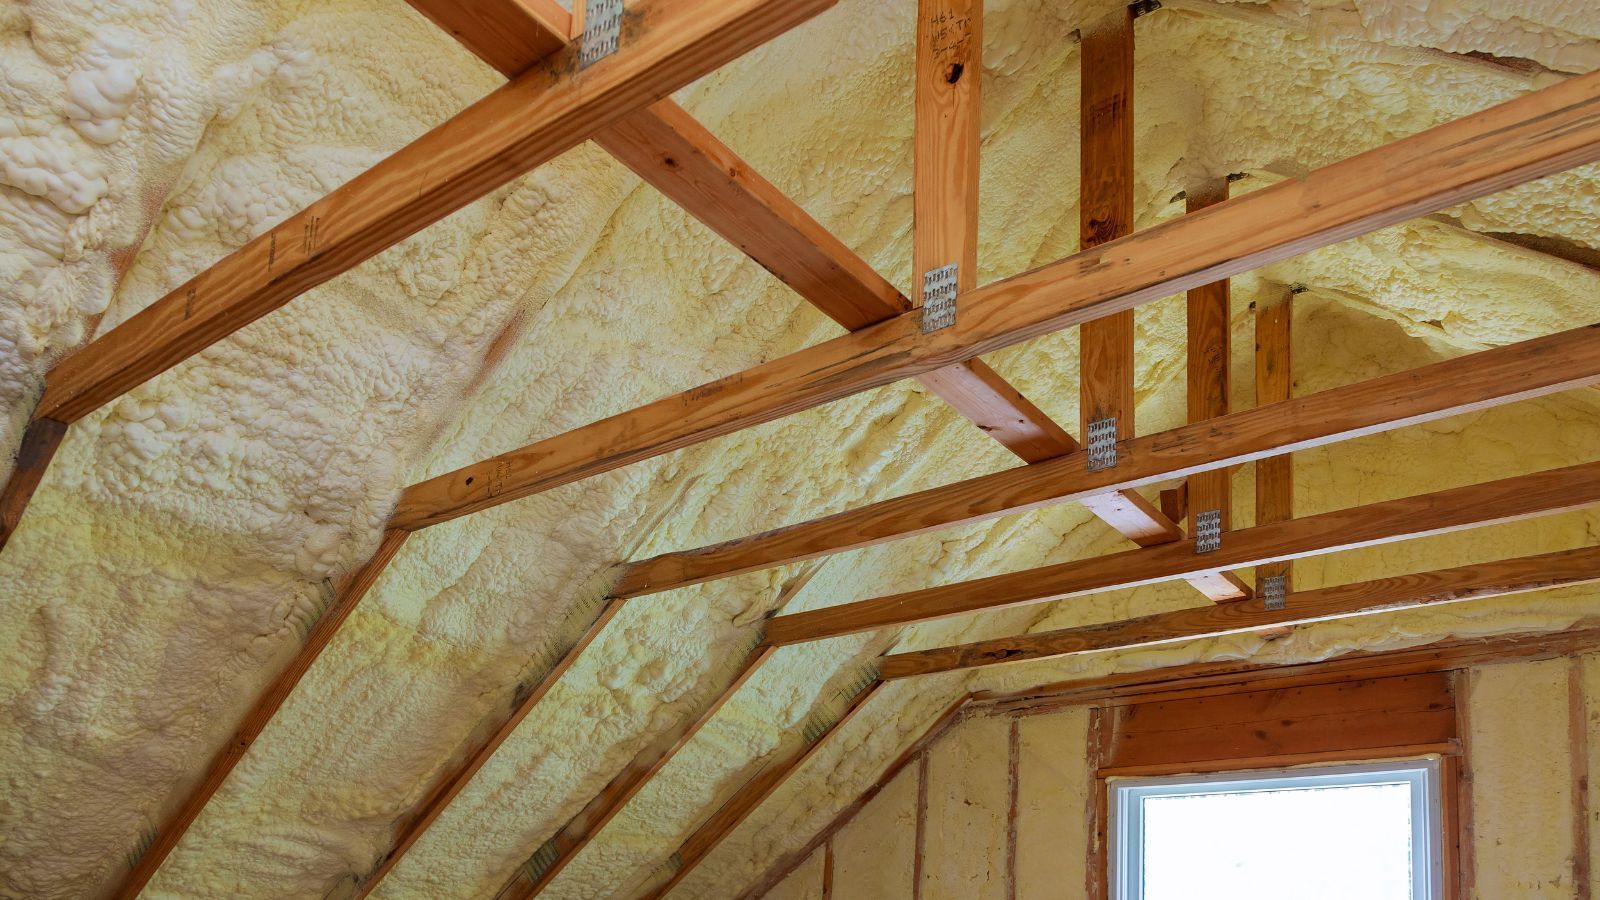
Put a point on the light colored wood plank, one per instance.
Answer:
(1472, 506)
(1492, 579)
(749, 796)
(1479, 381)
(409, 828)
(345, 595)
(510, 35)
(1274, 384)
(1533, 135)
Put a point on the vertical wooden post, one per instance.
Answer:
(1209, 380)
(1274, 383)
(948, 110)
(1106, 213)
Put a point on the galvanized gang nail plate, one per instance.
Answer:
(939, 298)
(602, 26)
(1208, 531)
(1103, 444)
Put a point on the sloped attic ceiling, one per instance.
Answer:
(178, 550)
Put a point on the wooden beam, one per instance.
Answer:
(1105, 213)
(553, 856)
(1469, 383)
(1536, 134)
(1105, 204)
(1473, 506)
(445, 788)
(533, 118)
(786, 865)
(1493, 579)
(1274, 384)
(344, 596)
(510, 35)
(1209, 382)
(749, 796)
(547, 862)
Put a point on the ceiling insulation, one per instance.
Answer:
(179, 547)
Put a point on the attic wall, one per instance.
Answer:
(1528, 750)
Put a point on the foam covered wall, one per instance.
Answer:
(178, 550)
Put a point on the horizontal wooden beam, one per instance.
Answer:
(1537, 134)
(1465, 384)
(417, 820)
(1473, 506)
(538, 115)
(750, 795)
(510, 35)
(1493, 579)
(345, 594)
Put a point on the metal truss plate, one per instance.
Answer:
(1273, 592)
(939, 298)
(602, 26)
(1103, 444)
(1208, 531)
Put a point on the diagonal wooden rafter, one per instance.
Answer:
(1477, 381)
(538, 115)
(1536, 134)
(554, 854)
(1492, 579)
(754, 792)
(1473, 506)
(345, 594)
(534, 117)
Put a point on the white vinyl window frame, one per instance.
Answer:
(1127, 795)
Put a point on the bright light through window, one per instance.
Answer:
(1366, 831)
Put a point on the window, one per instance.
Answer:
(1329, 833)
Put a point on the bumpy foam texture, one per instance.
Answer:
(174, 555)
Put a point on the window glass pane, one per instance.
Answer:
(1308, 843)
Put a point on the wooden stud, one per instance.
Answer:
(1469, 383)
(538, 115)
(1578, 747)
(1493, 579)
(749, 796)
(510, 35)
(346, 594)
(449, 784)
(1105, 207)
(40, 441)
(920, 850)
(604, 806)
(1473, 506)
(913, 753)
(1209, 341)
(1274, 384)
(1536, 134)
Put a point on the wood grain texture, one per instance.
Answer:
(1478, 381)
(582, 828)
(1509, 499)
(445, 788)
(948, 110)
(750, 795)
(1491, 579)
(541, 113)
(1246, 730)
(1105, 212)
(1274, 384)
(1542, 132)
(1210, 335)
(346, 593)
(40, 441)
(510, 35)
